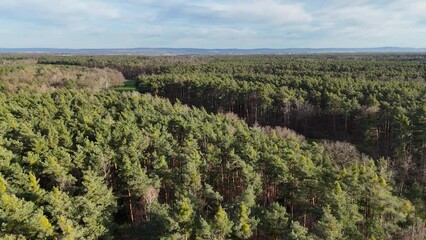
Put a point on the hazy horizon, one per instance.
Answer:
(200, 48)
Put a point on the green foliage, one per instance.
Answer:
(85, 165)
(329, 227)
(243, 224)
(221, 225)
(275, 221)
(298, 232)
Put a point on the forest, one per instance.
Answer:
(213, 147)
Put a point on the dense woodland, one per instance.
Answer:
(80, 163)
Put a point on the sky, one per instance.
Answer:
(212, 24)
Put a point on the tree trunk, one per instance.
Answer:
(131, 207)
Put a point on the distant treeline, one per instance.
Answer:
(387, 66)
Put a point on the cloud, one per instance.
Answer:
(243, 12)
(214, 23)
(269, 11)
(47, 23)
(222, 33)
(58, 10)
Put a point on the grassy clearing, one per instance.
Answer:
(129, 85)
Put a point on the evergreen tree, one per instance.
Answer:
(329, 227)
(243, 227)
(221, 225)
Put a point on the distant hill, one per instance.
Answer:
(200, 51)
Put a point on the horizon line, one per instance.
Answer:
(200, 48)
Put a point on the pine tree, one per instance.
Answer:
(221, 225)
(329, 227)
(201, 229)
(242, 227)
(297, 232)
(184, 216)
(96, 206)
(274, 221)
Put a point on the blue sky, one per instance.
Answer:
(212, 24)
